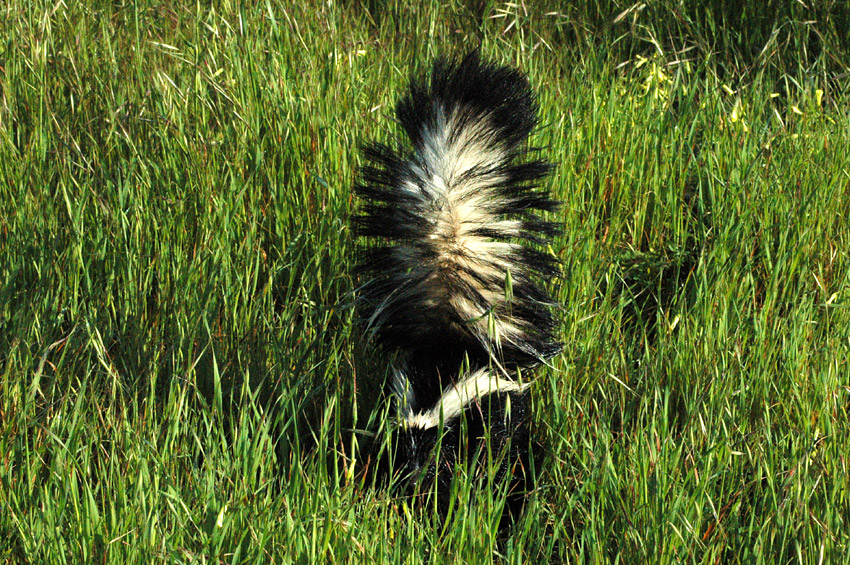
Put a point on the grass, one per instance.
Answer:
(179, 375)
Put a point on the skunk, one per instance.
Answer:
(453, 231)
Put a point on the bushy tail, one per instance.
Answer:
(454, 218)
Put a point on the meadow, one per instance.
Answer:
(181, 378)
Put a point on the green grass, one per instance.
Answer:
(180, 379)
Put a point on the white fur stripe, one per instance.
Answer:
(475, 386)
(460, 173)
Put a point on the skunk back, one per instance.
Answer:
(453, 213)
(480, 422)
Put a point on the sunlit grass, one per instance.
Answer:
(179, 375)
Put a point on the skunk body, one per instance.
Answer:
(479, 415)
(450, 275)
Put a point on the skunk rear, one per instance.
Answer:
(454, 214)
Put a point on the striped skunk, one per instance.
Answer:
(450, 273)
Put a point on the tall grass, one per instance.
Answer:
(179, 375)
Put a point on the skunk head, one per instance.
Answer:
(480, 414)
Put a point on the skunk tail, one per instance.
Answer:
(454, 215)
